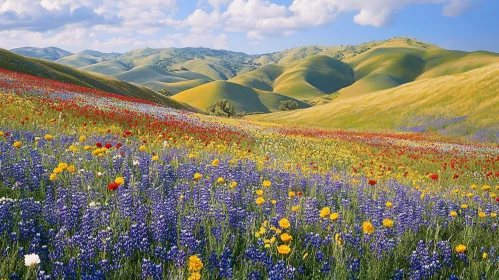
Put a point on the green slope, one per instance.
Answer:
(460, 104)
(149, 73)
(86, 58)
(310, 73)
(209, 69)
(77, 61)
(50, 53)
(176, 87)
(302, 79)
(245, 99)
(110, 67)
(54, 71)
(394, 64)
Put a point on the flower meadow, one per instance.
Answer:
(96, 185)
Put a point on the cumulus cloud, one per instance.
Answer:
(48, 15)
(133, 23)
(456, 7)
(262, 18)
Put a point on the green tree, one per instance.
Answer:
(222, 108)
(288, 105)
(166, 92)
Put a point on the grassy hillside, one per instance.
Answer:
(50, 53)
(395, 63)
(302, 79)
(176, 87)
(110, 67)
(85, 58)
(54, 71)
(460, 104)
(245, 99)
(310, 73)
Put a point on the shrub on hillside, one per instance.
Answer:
(288, 105)
(222, 108)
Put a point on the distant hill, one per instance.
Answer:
(305, 78)
(312, 74)
(85, 58)
(245, 99)
(50, 53)
(54, 71)
(465, 104)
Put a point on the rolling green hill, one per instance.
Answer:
(50, 53)
(110, 67)
(244, 98)
(459, 104)
(85, 58)
(313, 74)
(396, 62)
(309, 77)
(54, 71)
(176, 87)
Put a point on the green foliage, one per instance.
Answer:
(222, 108)
(288, 105)
(166, 92)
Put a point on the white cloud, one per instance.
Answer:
(456, 7)
(122, 24)
(200, 21)
(216, 4)
(207, 40)
(262, 18)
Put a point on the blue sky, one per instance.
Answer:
(251, 26)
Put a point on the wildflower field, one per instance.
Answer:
(95, 185)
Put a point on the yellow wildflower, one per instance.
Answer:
(325, 212)
(460, 248)
(260, 200)
(334, 216)
(284, 223)
(119, 180)
(388, 223)
(368, 227)
(283, 249)
(195, 263)
(286, 238)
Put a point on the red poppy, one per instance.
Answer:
(455, 176)
(497, 199)
(434, 176)
(372, 182)
(108, 146)
(118, 145)
(98, 144)
(113, 186)
(299, 193)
